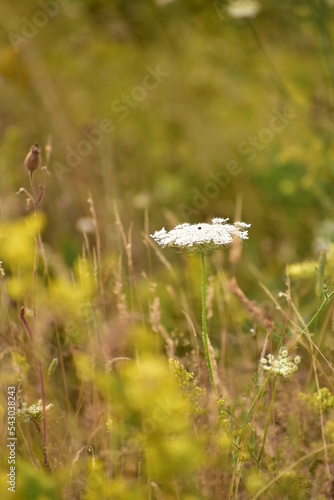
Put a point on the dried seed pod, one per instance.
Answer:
(33, 158)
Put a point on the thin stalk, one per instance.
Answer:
(38, 196)
(204, 329)
(321, 17)
(238, 466)
(288, 470)
(325, 302)
(305, 330)
(41, 378)
(267, 421)
(45, 457)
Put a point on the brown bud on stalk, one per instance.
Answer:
(33, 158)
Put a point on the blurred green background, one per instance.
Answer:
(178, 109)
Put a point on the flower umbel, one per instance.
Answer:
(282, 365)
(202, 237)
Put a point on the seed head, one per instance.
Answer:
(202, 237)
(33, 158)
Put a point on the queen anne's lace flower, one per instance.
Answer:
(202, 237)
(282, 365)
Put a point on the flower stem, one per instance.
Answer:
(204, 330)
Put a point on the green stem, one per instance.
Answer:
(204, 330)
(267, 421)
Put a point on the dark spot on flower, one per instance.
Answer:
(199, 227)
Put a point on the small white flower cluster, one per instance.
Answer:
(34, 412)
(202, 236)
(283, 365)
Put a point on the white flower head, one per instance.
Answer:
(203, 236)
(240, 9)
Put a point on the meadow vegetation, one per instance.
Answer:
(147, 115)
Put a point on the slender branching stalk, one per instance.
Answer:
(41, 378)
